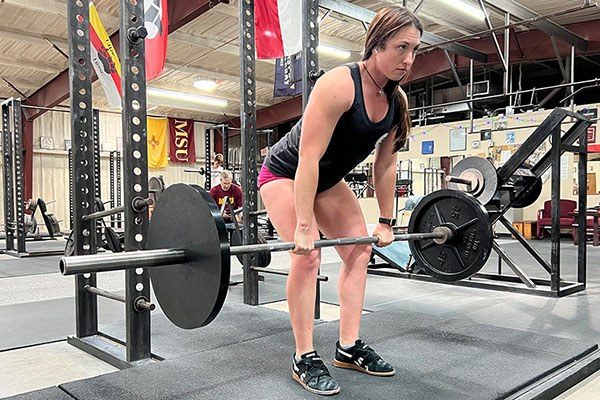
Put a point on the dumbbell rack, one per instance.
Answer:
(506, 198)
(14, 183)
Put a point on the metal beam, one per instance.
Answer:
(364, 15)
(213, 44)
(558, 58)
(549, 27)
(213, 73)
(494, 37)
(22, 63)
(455, 75)
(57, 90)
(30, 37)
(54, 7)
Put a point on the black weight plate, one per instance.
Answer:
(70, 245)
(112, 240)
(467, 252)
(99, 204)
(156, 185)
(488, 172)
(190, 294)
(532, 193)
(263, 258)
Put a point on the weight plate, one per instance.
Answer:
(190, 294)
(263, 258)
(486, 181)
(529, 195)
(70, 245)
(469, 248)
(113, 242)
(156, 185)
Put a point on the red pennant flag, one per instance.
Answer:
(183, 145)
(156, 22)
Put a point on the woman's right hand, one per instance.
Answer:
(303, 241)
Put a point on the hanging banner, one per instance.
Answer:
(156, 22)
(278, 28)
(288, 76)
(105, 60)
(157, 142)
(183, 146)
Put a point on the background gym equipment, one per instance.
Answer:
(16, 222)
(189, 252)
(518, 183)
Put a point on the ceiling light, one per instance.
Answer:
(333, 51)
(466, 8)
(186, 97)
(205, 84)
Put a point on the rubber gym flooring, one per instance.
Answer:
(446, 342)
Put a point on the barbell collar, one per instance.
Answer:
(141, 304)
(285, 246)
(93, 263)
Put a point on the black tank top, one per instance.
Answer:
(354, 138)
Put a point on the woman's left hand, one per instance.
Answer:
(385, 234)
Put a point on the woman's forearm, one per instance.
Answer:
(305, 189)
(385, 184)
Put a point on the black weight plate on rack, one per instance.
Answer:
(488, 173)
(532, 193)
(190, 294)
(467, 252)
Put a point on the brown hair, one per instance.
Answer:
(384, 25)
(218, 158)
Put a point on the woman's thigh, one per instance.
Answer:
(338, 214)
(278, 197)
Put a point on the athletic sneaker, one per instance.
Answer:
(362, 358)
(313, 375)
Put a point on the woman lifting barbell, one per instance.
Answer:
(351, 110)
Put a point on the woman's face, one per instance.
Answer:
(398, 55)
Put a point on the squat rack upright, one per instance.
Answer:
(136, 348)
(14, 182)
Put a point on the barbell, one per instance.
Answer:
(187, 249)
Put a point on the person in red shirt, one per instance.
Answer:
(227, 189)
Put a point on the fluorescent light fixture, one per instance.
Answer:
(333, 51)
(186, 97)
(205, 84)
(466, 8)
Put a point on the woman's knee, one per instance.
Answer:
(309, 263)
(359, 256)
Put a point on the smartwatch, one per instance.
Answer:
(387, 221)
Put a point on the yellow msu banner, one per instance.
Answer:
(157, 142)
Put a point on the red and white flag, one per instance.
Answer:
(156, 22)
(278, 28)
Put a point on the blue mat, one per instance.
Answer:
(396, 254)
